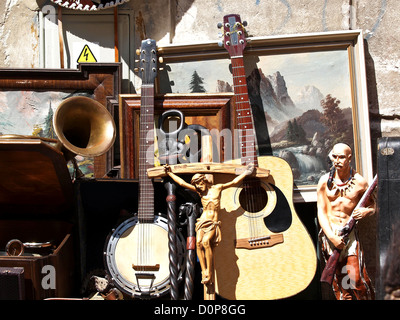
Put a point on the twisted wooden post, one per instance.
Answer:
(172, 239)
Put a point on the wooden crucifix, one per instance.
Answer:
(208, 233)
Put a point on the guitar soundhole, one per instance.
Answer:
(253, 197)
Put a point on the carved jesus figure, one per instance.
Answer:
(208, 233)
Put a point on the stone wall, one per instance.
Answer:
(188, 21)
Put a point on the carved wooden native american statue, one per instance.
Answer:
(338, 195)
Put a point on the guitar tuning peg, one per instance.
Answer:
(219, 25)
(244, 23)
(138, 52)
(161, 69)
(161, 59)
(136, 70)
(220, 43)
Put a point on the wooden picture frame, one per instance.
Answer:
(341, 50)
(207, 110)
(101, 81)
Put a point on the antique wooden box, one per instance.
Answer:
(35, 200)
(47, 271)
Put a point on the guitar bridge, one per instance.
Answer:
(260, 242)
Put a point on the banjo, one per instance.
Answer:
(136, 252)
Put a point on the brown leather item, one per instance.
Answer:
(191, 243)
(113, 294)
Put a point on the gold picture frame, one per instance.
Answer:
(336, 58)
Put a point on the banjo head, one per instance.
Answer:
(137, 257)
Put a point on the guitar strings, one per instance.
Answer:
(247, 142)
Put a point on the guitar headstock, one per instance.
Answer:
(234, 34)
(148, 61)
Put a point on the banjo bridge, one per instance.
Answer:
(155, 267)
(259, 242)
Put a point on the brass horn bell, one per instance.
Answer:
(83, 127)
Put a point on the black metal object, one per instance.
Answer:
(388, 213)
(173, 148)
(192, 212)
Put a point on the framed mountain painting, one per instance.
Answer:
(307, 92)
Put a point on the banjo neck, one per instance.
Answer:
(146, 155)
(148, 68)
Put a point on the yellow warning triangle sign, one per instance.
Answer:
(86, 55)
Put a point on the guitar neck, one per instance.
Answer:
(146, 154)
(244, 113)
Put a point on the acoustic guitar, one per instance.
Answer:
(265, 251)
(137, 253)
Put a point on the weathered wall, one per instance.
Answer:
(188, 21)
(19, 38)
